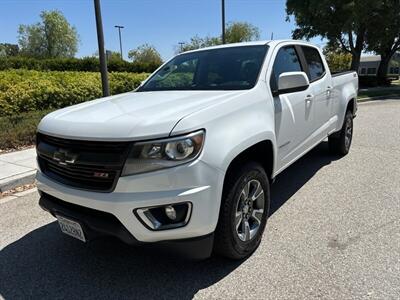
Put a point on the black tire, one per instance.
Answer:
(229, 242)
(340, 142)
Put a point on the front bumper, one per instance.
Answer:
(196, 182)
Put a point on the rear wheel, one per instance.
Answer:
(244, 211)
(340, 142)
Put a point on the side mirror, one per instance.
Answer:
(290, 82)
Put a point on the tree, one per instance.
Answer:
(383, 34)
(110, 55)
(197, 42)
(235, 32)
(7, 49)
(113, 55)
(337, 59)
(145, 54)
(241, 32)
(342, 22)
(52, 37)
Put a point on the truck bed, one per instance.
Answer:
(335, 74)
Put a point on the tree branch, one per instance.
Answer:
(351, 43)
(396, 46)
(342, 43)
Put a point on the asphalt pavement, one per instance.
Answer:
(334, 233)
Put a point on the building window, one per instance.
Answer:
(371, 71)
(396, 70)
(362, 70)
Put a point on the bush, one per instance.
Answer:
(26, 90)
(86, 64)
(19, 130)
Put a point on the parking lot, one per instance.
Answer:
(334, 233)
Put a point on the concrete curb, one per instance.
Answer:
(17, 195)
(12, 182)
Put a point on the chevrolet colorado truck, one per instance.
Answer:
(189, 156)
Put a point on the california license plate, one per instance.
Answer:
(71, 228)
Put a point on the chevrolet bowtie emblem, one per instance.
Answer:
(64, 157)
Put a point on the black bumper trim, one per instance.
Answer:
(95, 223)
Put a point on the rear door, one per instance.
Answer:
(321, 87)
(293, 111)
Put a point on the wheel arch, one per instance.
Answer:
(262, 152)
(351, 105)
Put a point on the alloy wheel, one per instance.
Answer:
(249, 210)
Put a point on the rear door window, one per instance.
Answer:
(314, 62)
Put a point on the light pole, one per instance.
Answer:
(181, 45)
(102, 56)
(223, 20)
(120, 40)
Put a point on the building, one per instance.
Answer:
(369, 65)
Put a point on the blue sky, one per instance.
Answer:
(162, 23)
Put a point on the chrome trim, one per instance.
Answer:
(148, 220)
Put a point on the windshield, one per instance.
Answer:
(234, 68)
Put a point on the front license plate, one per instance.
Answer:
(71, 228)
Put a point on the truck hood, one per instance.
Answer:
(129, 116)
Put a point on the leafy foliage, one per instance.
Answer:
(19, 130)
(343, 23)
(197, 42)
(52, 37)
(337, 59)
(25, 90)
(241, 32)
(112, 55)
(383, 34)
(87, 64)
(235, 32)
(7, 49)
(145, 54)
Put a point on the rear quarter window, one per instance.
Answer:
(314, 62)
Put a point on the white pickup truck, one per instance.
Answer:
(190, 155)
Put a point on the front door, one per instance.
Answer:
(293, 111)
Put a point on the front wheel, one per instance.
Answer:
(244, 211)
(340, 142)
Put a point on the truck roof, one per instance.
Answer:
(253, 43)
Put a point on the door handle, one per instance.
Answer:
(309, 98)
(328, 91)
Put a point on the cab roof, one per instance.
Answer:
(253, 43)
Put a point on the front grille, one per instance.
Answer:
(88, 165)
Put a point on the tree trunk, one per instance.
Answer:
(382, 70)
(355, 61)
(357, 48)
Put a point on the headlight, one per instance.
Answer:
(160, 154)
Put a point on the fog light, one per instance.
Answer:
(165, 216)
(170, 212)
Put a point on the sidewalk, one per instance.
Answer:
(17, 168)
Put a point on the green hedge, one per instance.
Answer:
(86, 64)
(28, 90)
(19, 130)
